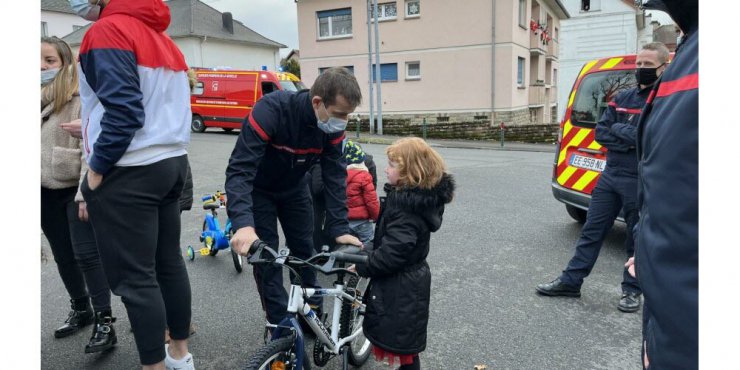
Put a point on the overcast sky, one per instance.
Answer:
(277, 19)
(274, 19)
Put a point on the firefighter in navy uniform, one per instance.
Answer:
(617, 186)
(667, 236)
(285, 134)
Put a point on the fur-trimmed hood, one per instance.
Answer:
(427, 203)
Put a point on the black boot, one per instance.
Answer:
(103, 335)
(81, 315)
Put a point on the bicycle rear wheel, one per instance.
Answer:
(277, 354)
(359, 348)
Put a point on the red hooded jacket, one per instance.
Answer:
(362, 200)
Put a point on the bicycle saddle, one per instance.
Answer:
(210, 206)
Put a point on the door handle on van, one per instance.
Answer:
(591, 151)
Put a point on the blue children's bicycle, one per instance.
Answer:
(213, 237)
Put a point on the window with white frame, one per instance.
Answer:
(334, 23)
(387, 11)
(523, 13)
(413, 70)
(412, 8)
(555, 77)
(44, 29)
(520, 71)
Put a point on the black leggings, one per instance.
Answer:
(73, 246)
(416, 365)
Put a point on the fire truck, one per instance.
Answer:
(224, 97)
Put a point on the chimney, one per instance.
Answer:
(228, 22)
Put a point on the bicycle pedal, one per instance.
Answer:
(204, 251)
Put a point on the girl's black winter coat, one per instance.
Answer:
(398, 297)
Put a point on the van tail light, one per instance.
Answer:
(560, 134)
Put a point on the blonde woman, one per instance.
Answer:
(398, 299)
(63, 210)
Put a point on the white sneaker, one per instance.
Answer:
(185, 363)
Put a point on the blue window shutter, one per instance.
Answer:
(335, 12)
(388, 72)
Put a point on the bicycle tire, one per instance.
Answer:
(359, 348)
(281, 347)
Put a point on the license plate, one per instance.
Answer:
(587, 163)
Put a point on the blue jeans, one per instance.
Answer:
(363, 230)
(612, 193)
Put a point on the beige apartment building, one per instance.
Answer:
(461, 64)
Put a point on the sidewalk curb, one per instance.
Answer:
(492, 145)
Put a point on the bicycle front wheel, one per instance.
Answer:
(277, 354)
(352, 319)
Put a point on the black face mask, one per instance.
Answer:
(647, 76)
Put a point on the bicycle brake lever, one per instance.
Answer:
(255, 257)
(327, 268)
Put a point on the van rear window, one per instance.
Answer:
(595, 92)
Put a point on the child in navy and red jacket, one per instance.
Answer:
(399, 293)
(362, 200)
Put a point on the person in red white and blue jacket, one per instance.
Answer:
(135, 124)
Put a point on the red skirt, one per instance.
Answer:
(381, 354)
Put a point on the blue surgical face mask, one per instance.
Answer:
(331, 125)
(84, 9)
(48, 75)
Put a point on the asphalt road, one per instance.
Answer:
(503, 234)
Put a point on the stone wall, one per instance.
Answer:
(468, 126)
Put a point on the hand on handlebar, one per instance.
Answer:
(348, 239)
(243, 239)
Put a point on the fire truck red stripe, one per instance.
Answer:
(256, 126)
(574, 178)
(690, 82)
(337, 140)
(590, 187)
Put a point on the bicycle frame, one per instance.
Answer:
(298, 306)
(213, 229)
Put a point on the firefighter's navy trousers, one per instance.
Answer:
(612, 192)
(295, 211)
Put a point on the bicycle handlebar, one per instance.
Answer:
(346, 253)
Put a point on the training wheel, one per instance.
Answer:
(190, 253)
